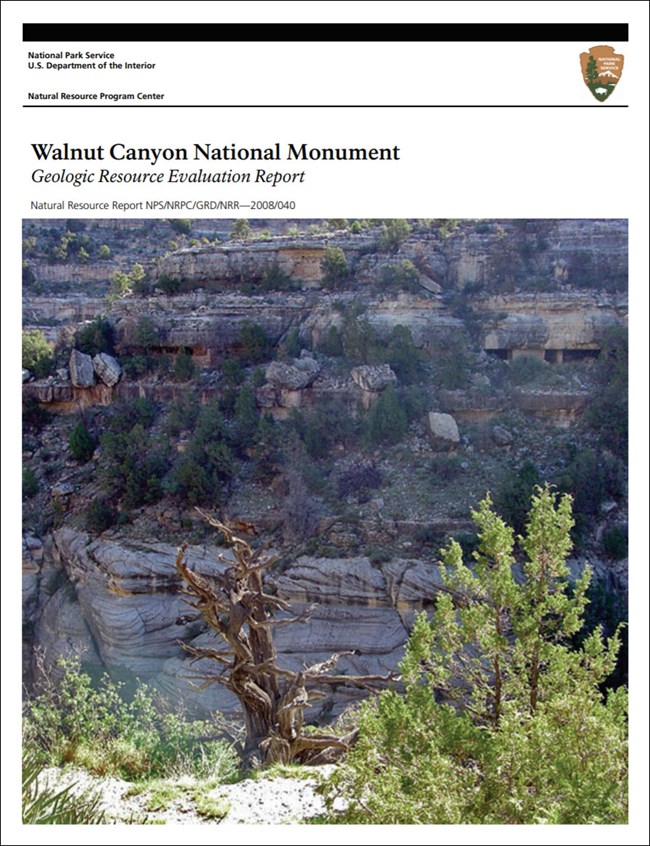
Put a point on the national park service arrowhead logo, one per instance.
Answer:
(601, 70)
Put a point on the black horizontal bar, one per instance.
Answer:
(588, 33)
(329, 106)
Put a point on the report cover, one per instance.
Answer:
(327, 512)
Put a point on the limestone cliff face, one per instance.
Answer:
(209, 324)
(118, 604)
(454, 255)
(490, 251)
(485, 255)
(61, 395)
(51, 312)
(235, 264)
(572, 320)
(561, 407)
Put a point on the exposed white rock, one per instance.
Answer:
(122, 606)
(350, 580)
(62, 632)
(443, 431)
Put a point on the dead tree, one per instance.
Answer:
(235, 605)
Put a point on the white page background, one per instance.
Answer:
(454, 163)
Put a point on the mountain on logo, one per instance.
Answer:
(601, 70)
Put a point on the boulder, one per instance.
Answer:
(292, 377)
(373, 377)
(429, 285)
(307, 364)
(501, 436)
(26, 375)
(82, 372)
(443, 431)
(107, 369)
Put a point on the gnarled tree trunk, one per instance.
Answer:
(235, 605)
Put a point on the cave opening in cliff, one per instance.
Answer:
(580, 355)
(561, 356)
(501, 354)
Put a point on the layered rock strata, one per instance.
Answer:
(119, 604)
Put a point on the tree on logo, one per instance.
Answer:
(592, 69)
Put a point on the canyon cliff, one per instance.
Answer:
(360, 392)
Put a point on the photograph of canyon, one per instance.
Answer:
(325, 521)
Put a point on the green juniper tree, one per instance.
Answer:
(386, 422)
(81, 442)
(393, 233)
(255, 343)
(184, 368)
(246, 419)
(501, 721)
(124, 284)
(334, 266)
(200, 473)
(241, 229)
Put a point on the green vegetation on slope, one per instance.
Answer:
(501, 720)
(100, 728)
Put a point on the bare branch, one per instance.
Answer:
(205, 682)
(198, 654)
(300, 618)
(365, 682)
(317, 670)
